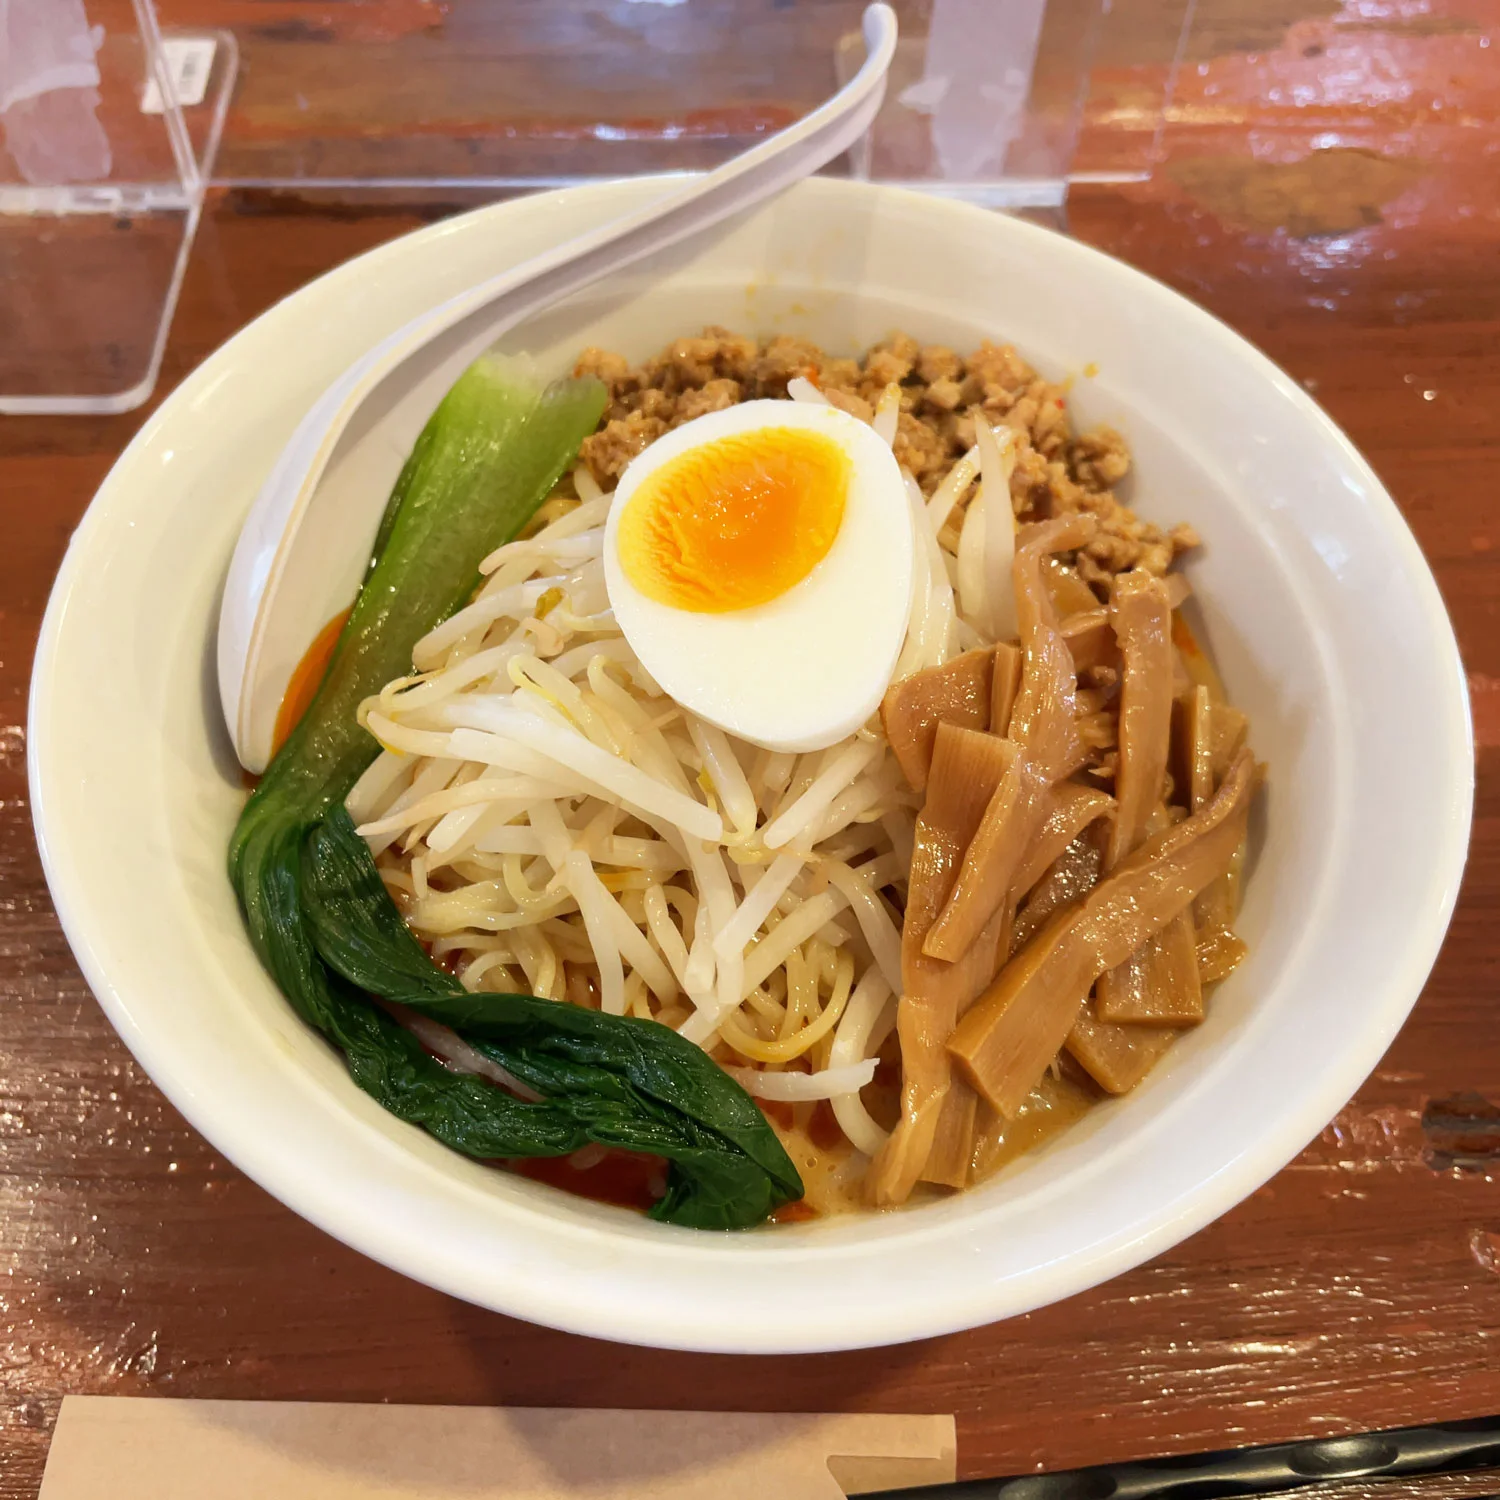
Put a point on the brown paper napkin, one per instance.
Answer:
(143, 1449)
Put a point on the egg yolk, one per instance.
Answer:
(735, 522)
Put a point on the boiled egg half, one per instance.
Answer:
(759, 563)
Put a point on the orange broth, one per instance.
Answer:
(306, 680)
(623, 1178)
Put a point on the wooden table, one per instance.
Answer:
(1329, 183)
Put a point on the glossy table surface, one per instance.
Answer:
(1328, 182)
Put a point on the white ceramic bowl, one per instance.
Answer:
(1321, 612)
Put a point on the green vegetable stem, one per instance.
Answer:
(322, 922)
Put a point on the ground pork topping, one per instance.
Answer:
(1056, 472)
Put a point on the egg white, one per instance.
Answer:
(807, 668)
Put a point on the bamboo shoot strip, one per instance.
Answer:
(1006, 1041)
(967, 765)
(957, 693)
(1042, 726)
(1159, 982)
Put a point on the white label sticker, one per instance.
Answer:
(189, 59)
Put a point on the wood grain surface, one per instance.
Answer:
(1327, 180)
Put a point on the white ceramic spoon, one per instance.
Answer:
(305, 543)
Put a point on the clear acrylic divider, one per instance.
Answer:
(109, 133)
(986, 104)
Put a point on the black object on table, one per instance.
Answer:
(1450, 1447)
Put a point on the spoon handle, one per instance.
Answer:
(446, 338)
(695, 205)
(699, 202)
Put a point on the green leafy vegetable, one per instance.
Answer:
(616, 1081)
(487, 458)
(321, 920)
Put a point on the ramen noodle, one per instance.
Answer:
(923, 948)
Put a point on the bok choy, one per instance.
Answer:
(322, 922)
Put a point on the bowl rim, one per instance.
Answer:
(945, 1310)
